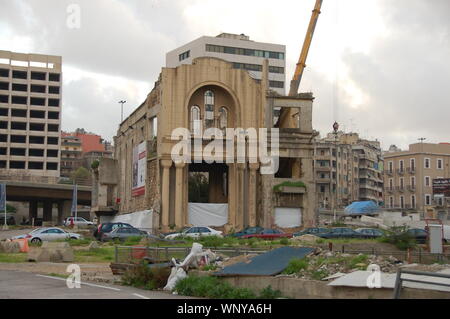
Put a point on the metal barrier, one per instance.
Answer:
(419, 257)
(135, 254)
(399, 280)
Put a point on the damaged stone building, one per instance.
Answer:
(210, 93)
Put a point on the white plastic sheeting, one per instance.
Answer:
(142, 220)
(288, 217)
(201, 214)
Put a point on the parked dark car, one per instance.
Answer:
(370, 232)
(340, 232)
(106, 228)
(122, 233)
(420, 235)
(268, 234)
(311, 231)
(248, 231)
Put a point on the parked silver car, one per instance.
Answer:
(39, 235)
(77, 221)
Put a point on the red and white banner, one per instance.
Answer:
(139, 169)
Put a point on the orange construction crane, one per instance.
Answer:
(295, 83)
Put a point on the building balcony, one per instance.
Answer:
(411, 170)
(411, 188)
(388, 172)
(400, 189)
(401, 171)
(389, 189)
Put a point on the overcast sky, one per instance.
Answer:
(378, 67)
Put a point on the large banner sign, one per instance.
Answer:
(139, 169)
(441, 186)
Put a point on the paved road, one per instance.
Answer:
(25, 285)
(6, 234)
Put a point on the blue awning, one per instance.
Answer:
(362, 208)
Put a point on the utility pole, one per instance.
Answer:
(335, 132)
(122, 102)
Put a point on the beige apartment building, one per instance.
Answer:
(347, 169)
(30, 115)
(209, 93)
(408, 177)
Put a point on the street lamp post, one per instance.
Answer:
(335, 132)
(122, 102)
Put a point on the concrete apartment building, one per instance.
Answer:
(408, 178)
(209, 93)
(30, 115)
(241, 51)
(71, 154)
(347, 169)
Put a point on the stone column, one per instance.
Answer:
(240, 218)
(179, 194)
(33, 211)
(166, 164)
(47, 215)
(252, 194)
(232, 203)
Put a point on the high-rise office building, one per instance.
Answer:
(241, 51)
(30, 115)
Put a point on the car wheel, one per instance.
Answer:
(74, 238)
(36, 240)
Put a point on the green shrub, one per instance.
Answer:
(142, 276)
(319, 274)
(360, 259)
(399, 237)
(296, 265)
(269, 293)
(284, 241)
(209, 267)
(211, 287)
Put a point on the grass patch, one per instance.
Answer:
(103, 254)
(360, 259)
(296, 265)
(78, 242)
(145, 277)
(13, 258)
(133, 240)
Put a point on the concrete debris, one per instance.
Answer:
(238, 259)
(10, 247)
(52, 252)
(306, 238)
(93, 245)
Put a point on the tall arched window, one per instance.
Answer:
(223, 118)
(209, 109)
(195, 120)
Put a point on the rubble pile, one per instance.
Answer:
(324, 264)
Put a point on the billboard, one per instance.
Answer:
(441, 186)
(139, 169)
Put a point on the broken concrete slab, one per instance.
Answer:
(10, 247)
(52, 252)
(268, 264)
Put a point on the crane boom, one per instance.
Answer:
(295, 83)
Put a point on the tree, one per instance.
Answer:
(198, 188)
(80, 173)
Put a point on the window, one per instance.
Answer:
(37, 88)
(38, 76)
(19, 87)
(276, 84)
(391, 166)
(428, 199)
(402, 202)
(427, 163)
(413, 182)
(427, 181)
(20, 75)
(195, 120)
(412, 162)
(184, 55)
(401, 165)
(391, 183)
(402, 183)
(209, 109)
(223, 118)
(53, 89)
(413, 201)
(439, 164)
(54, 77)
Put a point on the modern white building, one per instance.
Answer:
(241, 51)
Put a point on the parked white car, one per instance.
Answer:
(196, 232)
(39, 235)
(77, 221)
